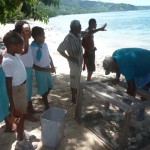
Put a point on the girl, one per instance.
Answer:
(23, 28)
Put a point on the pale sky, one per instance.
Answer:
(133, 2)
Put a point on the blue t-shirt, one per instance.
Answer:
(133, 62)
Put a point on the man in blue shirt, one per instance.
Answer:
(133, 63)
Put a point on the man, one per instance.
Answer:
(72, 45)
(88, 45)
(134, 64)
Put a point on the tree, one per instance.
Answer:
(12, 8)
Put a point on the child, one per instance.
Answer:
(15, 82)
(23, 28)
(42, 63)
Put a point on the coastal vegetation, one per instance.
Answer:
(12, 10)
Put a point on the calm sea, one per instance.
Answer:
(124, 29)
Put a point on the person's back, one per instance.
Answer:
(88, 42)
(133, 62)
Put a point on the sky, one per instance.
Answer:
(133, 2)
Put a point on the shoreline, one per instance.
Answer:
(53, 39)
(75, 136)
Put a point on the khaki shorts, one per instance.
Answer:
(19, 98)
(75, 74)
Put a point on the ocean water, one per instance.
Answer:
(124, 29)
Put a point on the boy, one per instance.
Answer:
(43, 64)
(15, 82)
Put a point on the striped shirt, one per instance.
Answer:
(72, 44)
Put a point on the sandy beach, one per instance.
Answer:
(76, 136)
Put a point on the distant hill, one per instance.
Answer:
(85, 6)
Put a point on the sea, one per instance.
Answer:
(124, 29)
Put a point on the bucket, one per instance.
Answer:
(52, 126)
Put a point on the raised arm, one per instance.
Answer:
(99, 29)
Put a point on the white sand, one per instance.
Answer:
(76, 136)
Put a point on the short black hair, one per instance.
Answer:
(92, 20)
(19, 25)
(12, 37)
(37, 31)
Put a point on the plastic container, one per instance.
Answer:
(52, 126)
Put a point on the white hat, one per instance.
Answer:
(108, 64)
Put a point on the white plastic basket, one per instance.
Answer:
(52, 126)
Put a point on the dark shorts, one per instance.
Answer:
(90, 61)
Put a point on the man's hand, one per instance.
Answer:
(53, 70)
(103, 27)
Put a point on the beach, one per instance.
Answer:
(76, 136)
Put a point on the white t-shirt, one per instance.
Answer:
(27, 58)
(45, 60)
(13, 67)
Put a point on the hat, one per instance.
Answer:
(108, 65)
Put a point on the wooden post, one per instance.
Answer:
(79, 104)
(125, 128)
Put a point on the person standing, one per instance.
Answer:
(89, 47)
(71, 49)
(43, 64)
(15, 74)
(22, 27)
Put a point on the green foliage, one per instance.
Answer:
(46, 10)
(50, 2)
(14, 9)
(80, 6)
(11, 10)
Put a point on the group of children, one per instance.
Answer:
(17, 61)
